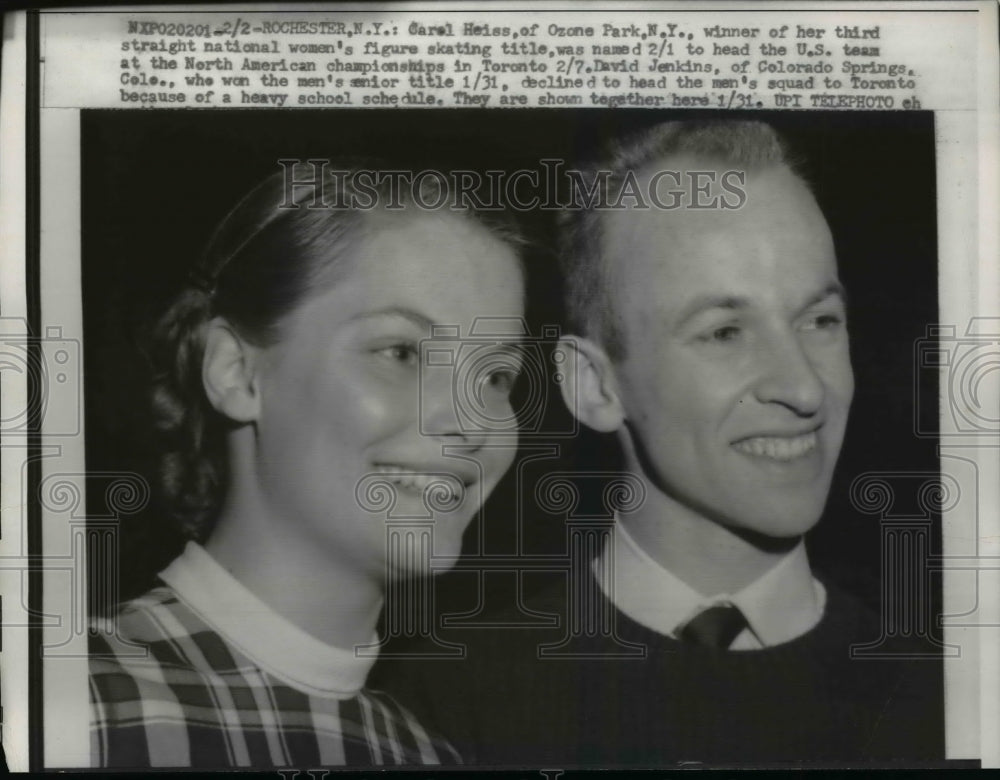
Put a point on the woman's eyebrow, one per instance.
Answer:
(414, 316)
(513, 347)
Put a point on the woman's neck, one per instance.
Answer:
(306, 583)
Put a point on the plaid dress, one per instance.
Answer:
(168, 689)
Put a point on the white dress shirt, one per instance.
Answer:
(780, 605)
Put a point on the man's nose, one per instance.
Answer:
(788, 376)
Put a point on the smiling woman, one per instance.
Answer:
(289, 375)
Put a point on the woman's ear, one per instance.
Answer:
(229, 372)
(590, 388)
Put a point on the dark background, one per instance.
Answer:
(155, 183)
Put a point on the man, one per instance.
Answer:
(711, 340)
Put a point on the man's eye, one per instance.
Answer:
(725, 334)
(824, 322)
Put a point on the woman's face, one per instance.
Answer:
(354, 435)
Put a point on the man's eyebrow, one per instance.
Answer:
(706, 302)
(416, 317)
(734, 302)
(834, 288)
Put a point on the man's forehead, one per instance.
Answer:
(687, 194)
(682, 162)
(710, 172)
(777, 215)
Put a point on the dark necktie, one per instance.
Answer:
(715, 627)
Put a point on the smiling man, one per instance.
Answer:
(726, 375)
(712, 342)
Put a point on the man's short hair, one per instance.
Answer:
(590, 304)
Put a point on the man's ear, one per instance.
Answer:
(590, 388)
(229, 372)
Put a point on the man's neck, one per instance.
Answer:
(705, 554)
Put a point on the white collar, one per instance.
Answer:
(782, 604)
(273, 643)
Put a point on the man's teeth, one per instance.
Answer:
(778, 447)
(420, 481)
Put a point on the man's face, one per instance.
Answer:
(737, 380)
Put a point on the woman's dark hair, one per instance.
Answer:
(282, 244)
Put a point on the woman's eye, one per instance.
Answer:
(502, 381)
(405, 354)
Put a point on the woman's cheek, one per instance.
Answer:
(384, 408)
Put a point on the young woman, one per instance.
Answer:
(291, 379)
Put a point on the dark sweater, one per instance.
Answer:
(806, 700)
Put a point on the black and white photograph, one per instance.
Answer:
(632, 435)
(706, 406)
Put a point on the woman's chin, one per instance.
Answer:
(423, 560)
(446, 562)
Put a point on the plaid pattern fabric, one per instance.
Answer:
(168, 691)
